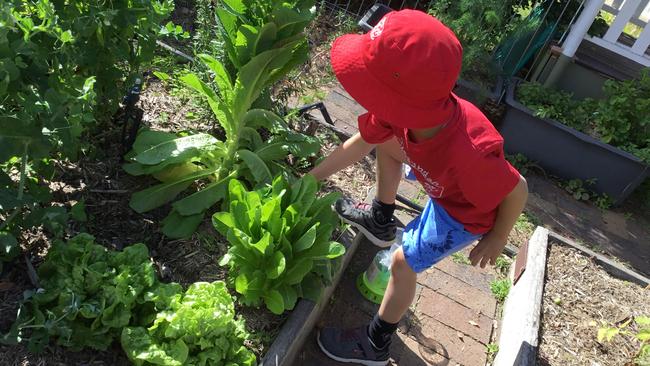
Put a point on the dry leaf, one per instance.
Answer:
(474, 323)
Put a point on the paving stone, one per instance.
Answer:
(473, 276)
(455, 315)
(448, 342)
(405, 351)
(459, 291)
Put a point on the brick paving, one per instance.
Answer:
(453, 314)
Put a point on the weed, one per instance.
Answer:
(522, 163)
(502, 264)
(492, 350)
(460, 258)
(500, 289)
(637, 327)
(526, 223)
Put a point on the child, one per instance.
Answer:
(403, 72)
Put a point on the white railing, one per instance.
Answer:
(635, 12)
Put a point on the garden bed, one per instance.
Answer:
(566, 296)
(569, 154)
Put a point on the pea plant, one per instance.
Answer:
(62, 67)
(265, 53)
(280, 242)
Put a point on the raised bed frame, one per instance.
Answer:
(567, 153)
(304, 316)
(519, 335)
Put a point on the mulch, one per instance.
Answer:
(579, 298)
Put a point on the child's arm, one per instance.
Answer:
(492, 244)
(345, 155)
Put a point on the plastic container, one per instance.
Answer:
(373, 282)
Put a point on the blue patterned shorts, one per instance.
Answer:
(432, 236)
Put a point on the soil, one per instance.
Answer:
(99, 180)
(579, 297)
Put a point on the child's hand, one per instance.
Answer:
(487, 250)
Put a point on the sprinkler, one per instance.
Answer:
(373, 282)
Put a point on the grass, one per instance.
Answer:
(500, 289)
(460, 258)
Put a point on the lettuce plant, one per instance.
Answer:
(87, 295)
(197, 327)
(271, 51)
(280, 239)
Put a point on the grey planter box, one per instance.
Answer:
(567, 153)
(474, 93)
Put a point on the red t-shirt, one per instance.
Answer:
(462, 167)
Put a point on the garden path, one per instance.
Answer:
(454, 315)
(623, 235)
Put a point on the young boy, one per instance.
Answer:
(403, 73)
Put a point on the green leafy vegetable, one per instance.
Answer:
(264, 41)
(87, 295)
(280, 242)
(197, 327)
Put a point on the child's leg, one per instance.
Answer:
(400, 291)
(376, 221)
(390, 158)
(397, 299)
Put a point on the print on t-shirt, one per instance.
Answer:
(432, 187)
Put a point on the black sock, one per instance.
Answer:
(380, 332)
(382, 212)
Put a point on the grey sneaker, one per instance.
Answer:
(351, 346)
(360, 215)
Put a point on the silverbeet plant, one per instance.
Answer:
(280, 239)
(270, 50)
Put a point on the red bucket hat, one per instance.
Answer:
(403, 71)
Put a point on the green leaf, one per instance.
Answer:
(324, 250)
(276, 266)
(272, 151)
(9, 248)
(274, 302)
(256, 165)
(290, 297)
(221, 76)
(297, 272)
(262, 244)
(306, 240)
(265, 118)
(643, 335)
(312, 287)
(202, 200)
(179, 149)
(223, 221)
(642, 320)
(237, 7)
(158, 195)
(220, 111)
(607, 334)
(78, 211)
(66, 37)
(241, 283)
(177, 226)
(253, 76)
(147, 139)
